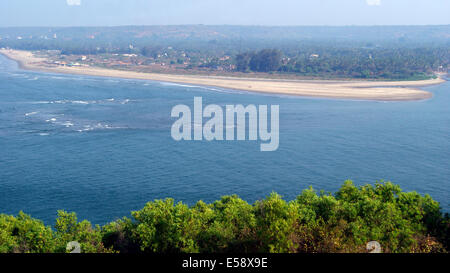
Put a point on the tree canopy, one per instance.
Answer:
(314, 222)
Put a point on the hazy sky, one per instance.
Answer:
(230, 12)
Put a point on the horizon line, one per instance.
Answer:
(216, 25)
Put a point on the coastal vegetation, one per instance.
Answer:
(386, 53)
(314, 222)
(362, 63)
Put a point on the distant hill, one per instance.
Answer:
(375, 34)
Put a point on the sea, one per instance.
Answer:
(102, 147)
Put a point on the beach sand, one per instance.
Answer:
(365, 90)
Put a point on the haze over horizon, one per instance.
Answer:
(63, 13)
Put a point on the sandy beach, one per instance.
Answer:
(365, 90)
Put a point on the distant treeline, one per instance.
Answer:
(349, 52)
(341, 222)
(266, 60)
(395, 63)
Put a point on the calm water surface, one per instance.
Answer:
(102, 147)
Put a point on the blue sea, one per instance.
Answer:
(102, 146)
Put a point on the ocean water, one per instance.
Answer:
(102, 147)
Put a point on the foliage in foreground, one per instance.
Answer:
(343, 222)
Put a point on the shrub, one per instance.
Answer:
(343, 222)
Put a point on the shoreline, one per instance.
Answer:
(334, 89)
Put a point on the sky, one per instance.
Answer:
(223, 12)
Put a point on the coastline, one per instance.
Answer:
(363, 90)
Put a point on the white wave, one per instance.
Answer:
(178, 84)
(82, 102)
(64, 102)
(98, 126)
(44, 134)
(102, 126)
(67, 124)
(209, 88)
(86, 128)
(30, 114)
